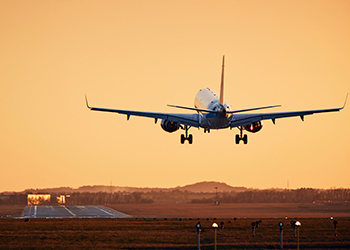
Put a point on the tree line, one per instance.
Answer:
(107, 198)
(302, 195)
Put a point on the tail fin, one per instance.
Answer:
(222, 82)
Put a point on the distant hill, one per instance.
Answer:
(205, 187)
(209, 187)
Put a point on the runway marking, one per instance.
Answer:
(105, 211)
(37, 211)
(69, 211)
(30, 208)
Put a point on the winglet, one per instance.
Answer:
(346, 99)
(87, 104)
(222, 82)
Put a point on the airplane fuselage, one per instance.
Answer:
(209, 99)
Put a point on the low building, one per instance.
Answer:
(38, 199)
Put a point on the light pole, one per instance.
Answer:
(253, 229)
(281, 233)
(215, 226)
(292, 223)
(335, 227)
(298, 225)
(198, 226)
(216, 197)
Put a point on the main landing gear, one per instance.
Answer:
(241, 137)
(186, 136)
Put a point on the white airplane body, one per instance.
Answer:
(214, 113)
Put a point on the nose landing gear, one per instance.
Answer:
(186, 136)
(242, 137)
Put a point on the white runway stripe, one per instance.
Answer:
(69, 211)
(104, 211)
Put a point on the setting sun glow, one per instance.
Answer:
(143, 55)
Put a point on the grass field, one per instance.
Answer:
(162, 228)
(256, 210)
(167, 234)
(8, 211)
(242, 210)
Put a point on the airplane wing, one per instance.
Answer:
(246, 119)
(184, 119)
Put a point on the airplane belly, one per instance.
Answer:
(211, 121)
(219, 123)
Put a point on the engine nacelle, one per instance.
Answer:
(169, 126)
(254, 127)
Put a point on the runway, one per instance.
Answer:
(71, 212)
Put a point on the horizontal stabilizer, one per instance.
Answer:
(196, 109)
(245, 110)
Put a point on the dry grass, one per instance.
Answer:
(250, 210)
(166, 234)
(170, 233)
(7, 211)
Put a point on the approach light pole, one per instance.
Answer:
(198, 226)
(335, 227)
(298, 225)
(292, 223)
(215, 226)
(253, 229)
(281, 233)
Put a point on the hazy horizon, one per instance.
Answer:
(143, 55)
(174, 187)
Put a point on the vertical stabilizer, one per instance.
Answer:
(222, 82)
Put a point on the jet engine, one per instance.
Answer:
(169, 126)
(254, 127)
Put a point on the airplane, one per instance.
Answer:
(213, 112)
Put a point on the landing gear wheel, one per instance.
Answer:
(237, 139)
(245, 139)
(242, 137)
(190, 139)
(186, 136)
(182, 139)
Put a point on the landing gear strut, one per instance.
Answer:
(241, 137)
(186, 136)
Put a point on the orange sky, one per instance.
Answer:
(143, 55)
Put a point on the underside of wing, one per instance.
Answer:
(245, 119)
(184, 119)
